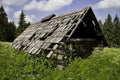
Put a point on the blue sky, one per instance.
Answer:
(37, 9)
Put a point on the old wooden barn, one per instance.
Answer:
(74, 34)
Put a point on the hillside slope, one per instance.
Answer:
(17, 65)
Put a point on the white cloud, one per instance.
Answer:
(16, 17)
(16, 14)
(8, 9)
(13, 2)
(29, 18)
(47, 5)
(105, 4)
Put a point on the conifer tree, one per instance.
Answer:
(3, 24)
(7, 29)
(22, 23)
(116, 30)
(107, 29)
(11, 32)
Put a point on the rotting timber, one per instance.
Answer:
(69, 35)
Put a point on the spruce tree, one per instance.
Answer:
(116, 30)
(3, 24)
(22, 23)
(11, 32)
(107, 29)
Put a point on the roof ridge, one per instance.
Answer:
(72, 12)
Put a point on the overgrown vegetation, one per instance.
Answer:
(16, 65)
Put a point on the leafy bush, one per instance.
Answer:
(17, 65)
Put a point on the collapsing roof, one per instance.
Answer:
(53, 30)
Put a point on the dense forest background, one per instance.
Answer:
(9, 31)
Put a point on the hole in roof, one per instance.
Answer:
(47, 34)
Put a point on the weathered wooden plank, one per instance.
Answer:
(51, 52)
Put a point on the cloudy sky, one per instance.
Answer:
(37, 9)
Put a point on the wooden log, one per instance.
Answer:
(51, 52)
(78, 40)
(60, 57)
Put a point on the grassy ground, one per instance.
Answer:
(17, 65)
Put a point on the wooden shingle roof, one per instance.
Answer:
(52, 30)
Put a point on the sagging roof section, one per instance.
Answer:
(44, 34)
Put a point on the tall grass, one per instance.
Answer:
(17, 65)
